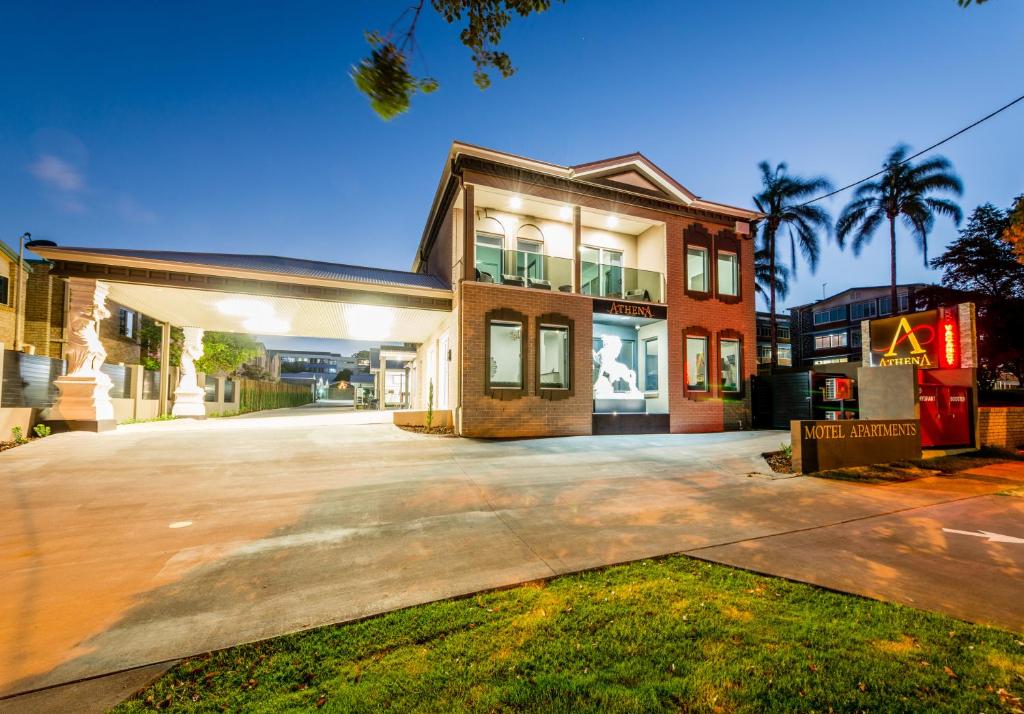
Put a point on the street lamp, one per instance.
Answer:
(24, 242)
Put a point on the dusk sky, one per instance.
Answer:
(234, 127)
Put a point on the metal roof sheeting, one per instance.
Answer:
(277, 265)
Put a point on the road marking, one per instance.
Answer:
(992, 537)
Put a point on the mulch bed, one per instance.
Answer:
(779, 461)
(433, 431)
(5, 445)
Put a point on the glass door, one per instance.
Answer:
(530, 260)
(489, 258)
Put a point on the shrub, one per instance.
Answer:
(41, 430)
(430, 405)
(17, 435)
(787, 450)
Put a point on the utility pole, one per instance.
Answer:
(17, 291)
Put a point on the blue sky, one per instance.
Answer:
(234, 126)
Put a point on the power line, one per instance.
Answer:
(919, 153)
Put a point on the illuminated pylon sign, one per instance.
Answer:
(949, 339)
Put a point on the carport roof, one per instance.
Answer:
(271, 265)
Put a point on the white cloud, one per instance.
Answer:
(131, 211)
(57, 173)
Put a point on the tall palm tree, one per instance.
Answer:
(783, 201)
(762, 275)
(902, 191)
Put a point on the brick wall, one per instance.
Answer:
(1001, 426)
(36, 331)
(119, 348)
(529, 415)
(715, 411)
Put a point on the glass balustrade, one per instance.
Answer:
(524, 268)
(546, 272)
(620, 283)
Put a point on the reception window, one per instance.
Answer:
(697, 269)
(553, 362)
(728, 274)
(729, 353)
(697, 364)
(505, 355)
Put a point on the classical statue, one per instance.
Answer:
(85, 352)
(610, 370)
(191, 350)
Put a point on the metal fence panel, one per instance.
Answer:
(120, 377)
(28, 380)
(151, 384)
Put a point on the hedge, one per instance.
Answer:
(257, 395)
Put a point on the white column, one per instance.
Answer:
(189, 397)
(84, 401)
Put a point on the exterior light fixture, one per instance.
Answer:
(565, 213)
(515, 202)
(612, 221)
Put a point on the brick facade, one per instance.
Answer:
(1001, 426)
(529, 415)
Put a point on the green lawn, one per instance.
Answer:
(668, 635)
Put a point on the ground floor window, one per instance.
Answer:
(697, 364)
(651, 364)
(729, 355)
(506, 355)
(553, 362)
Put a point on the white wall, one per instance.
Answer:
(650, 249)
(557, 235)
(596, 238)
(659, 404)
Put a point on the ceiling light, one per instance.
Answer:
(369, 322)
(612, 221)
(565, 213)
(515, 202)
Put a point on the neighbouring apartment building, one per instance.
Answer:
(9, 299)
(828, 331)
(597, 298)
(783, 339)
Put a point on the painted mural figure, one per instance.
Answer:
(610, 370)
(86, 353)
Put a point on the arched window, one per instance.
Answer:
(490, 249)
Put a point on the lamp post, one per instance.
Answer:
(19, 315)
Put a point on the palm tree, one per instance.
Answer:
(762, 273)
(902, 191)
(783, 200)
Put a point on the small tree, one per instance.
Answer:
(224, 352)
(430, 405)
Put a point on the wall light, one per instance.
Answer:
(565, 213)
(612, 221)
(515, 202)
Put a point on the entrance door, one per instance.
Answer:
(945, 413)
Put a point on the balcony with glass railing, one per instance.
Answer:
(523, 268)
(618, 282)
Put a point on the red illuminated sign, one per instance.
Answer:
(949, 342)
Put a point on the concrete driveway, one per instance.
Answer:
(167, 539)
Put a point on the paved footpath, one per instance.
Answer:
(162, 540)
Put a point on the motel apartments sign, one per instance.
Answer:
(821, 445)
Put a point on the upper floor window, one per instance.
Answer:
(835, 314)
(601, 272)
(885, 304)
(863, 310)
(5, 298)
(782, 332)
(830, 340)
(490, 263)
(697, 269)
(728, 274)
(126, 323)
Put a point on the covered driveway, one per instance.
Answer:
(161, 540)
